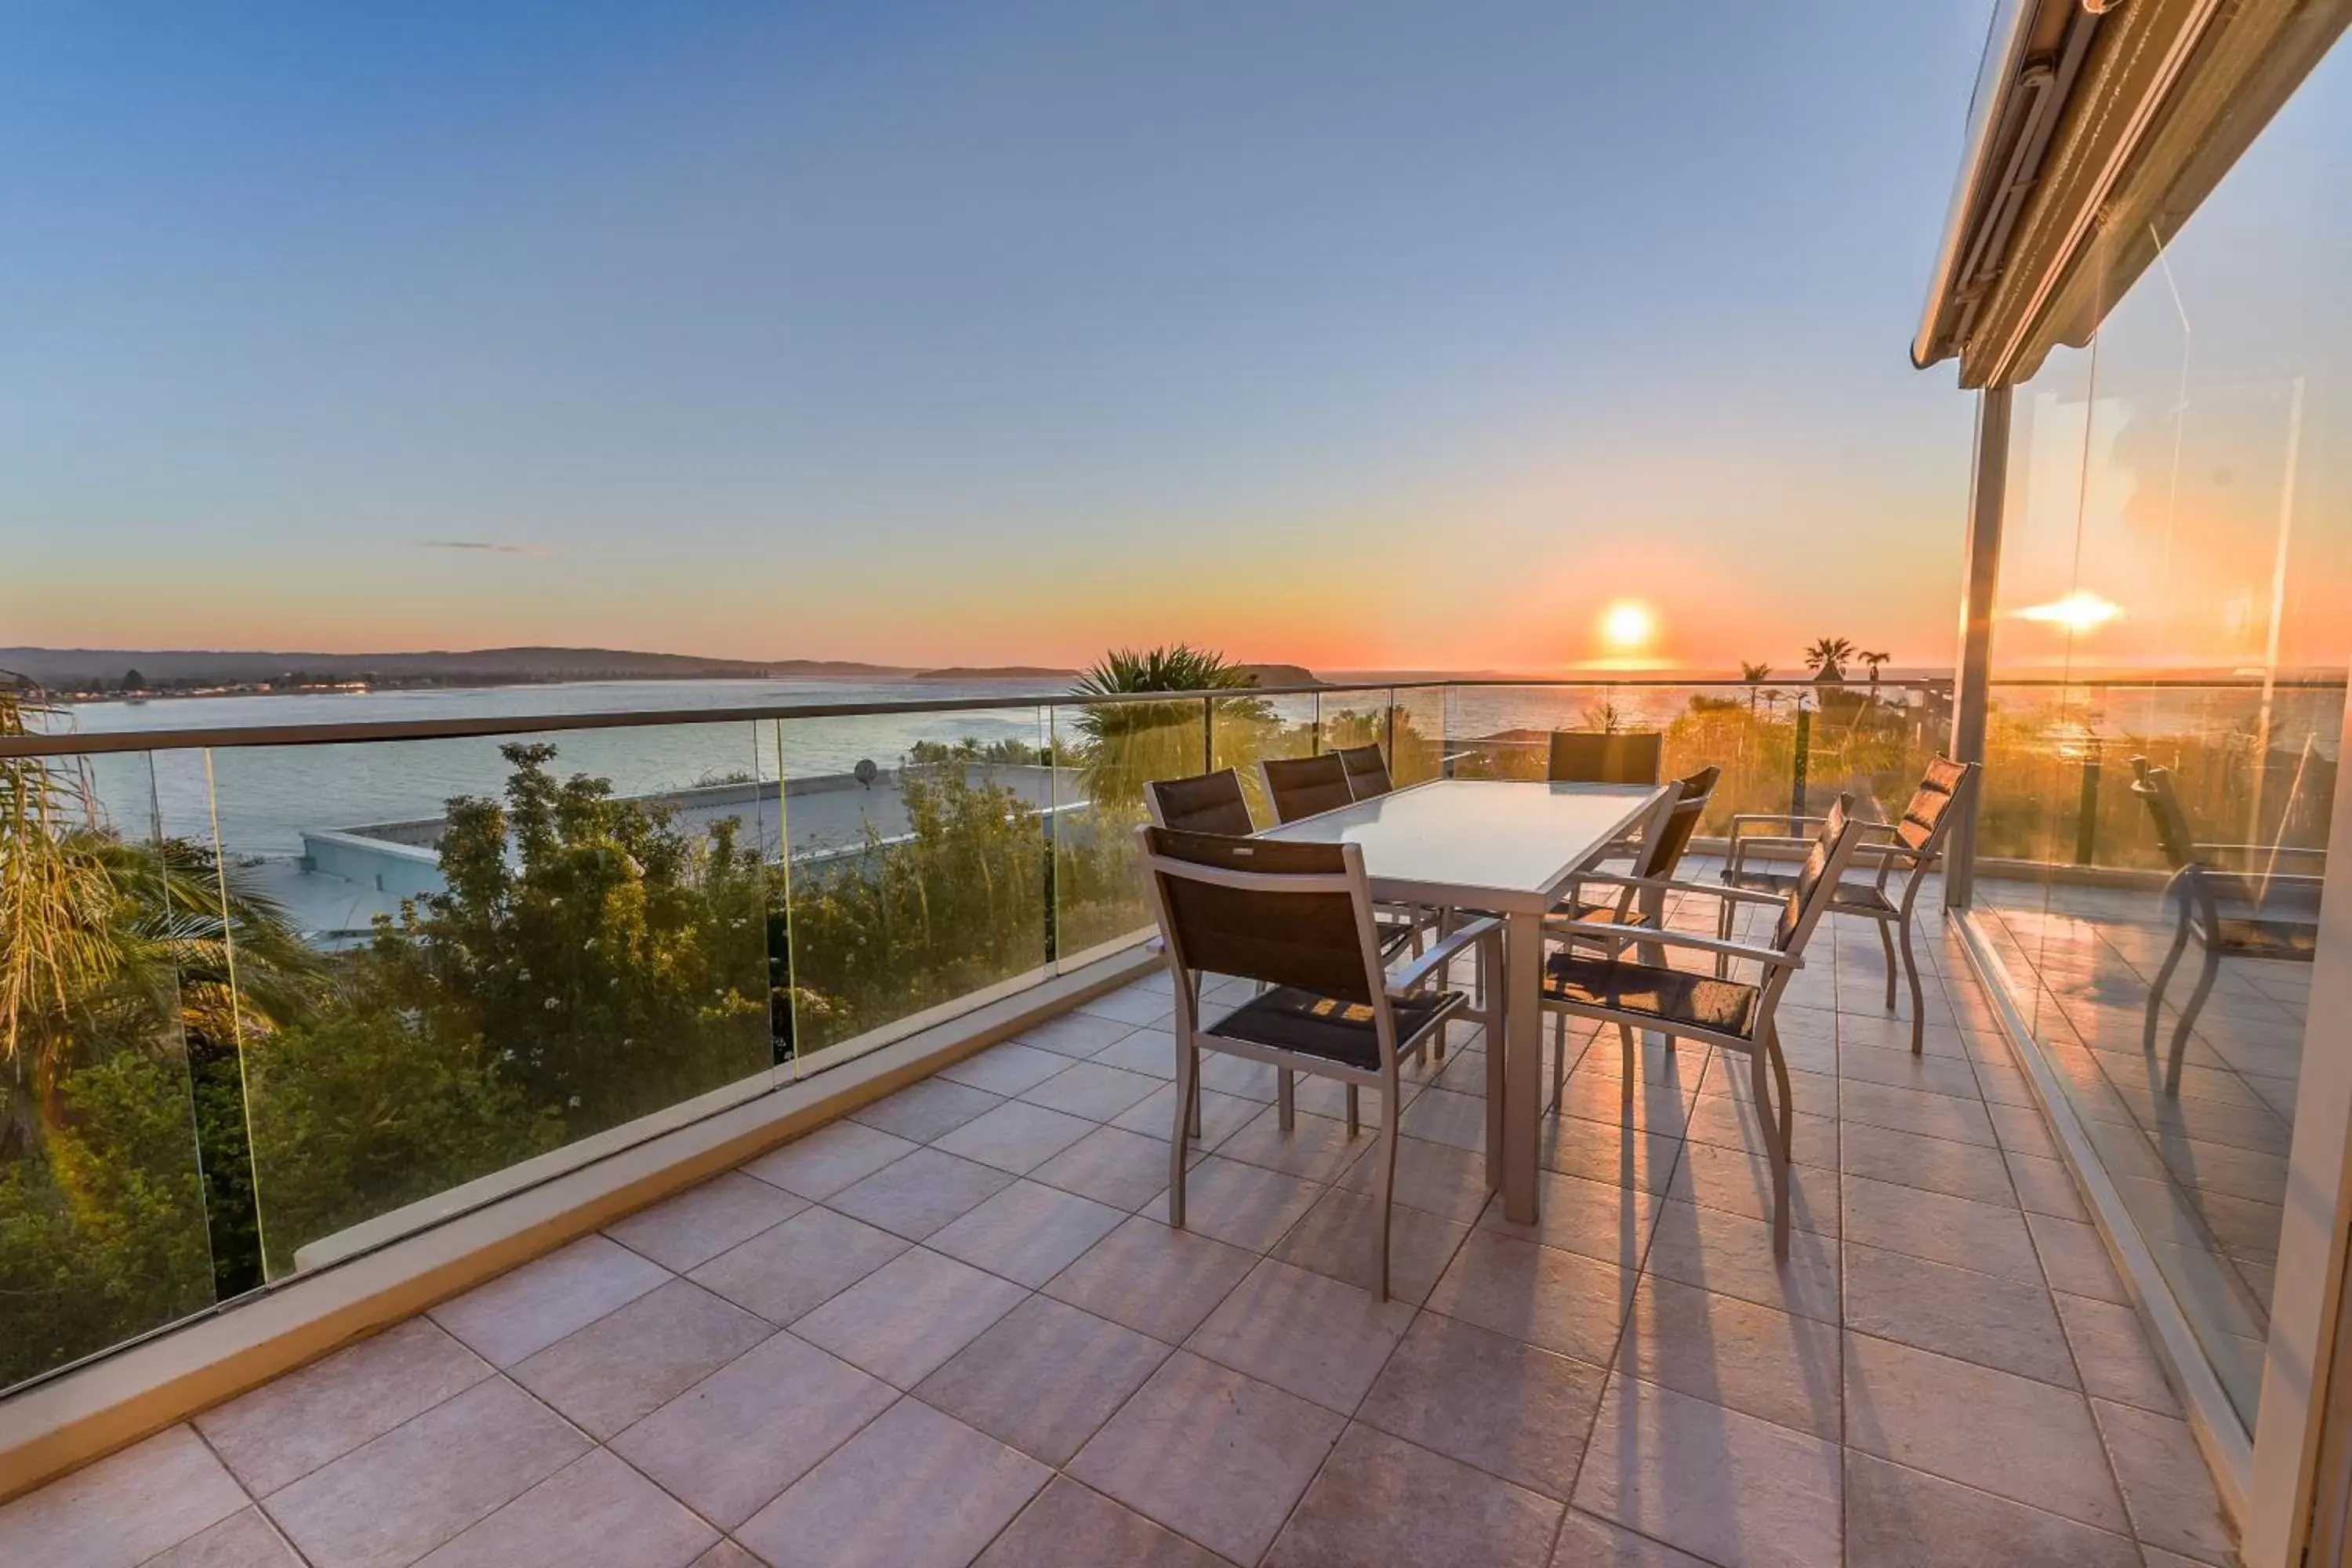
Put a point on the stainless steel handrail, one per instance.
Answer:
(77, 744)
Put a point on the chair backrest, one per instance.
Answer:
(1610, 756)
(2154, 786)
(1288, 914)
(1816, 880)
(1662, 850)
(1930, 815)
(1205, 803)
(1303, 786)
(1368, 770)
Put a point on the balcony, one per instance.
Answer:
(951, 1325)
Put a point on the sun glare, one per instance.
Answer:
(1628, 624)
(2078, 612)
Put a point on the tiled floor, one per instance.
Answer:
(956, 1329)
(2202, 1172)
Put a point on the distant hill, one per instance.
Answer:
(1280, 674)
(84, 667)
(998, 672)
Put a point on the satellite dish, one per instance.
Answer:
(866, 772)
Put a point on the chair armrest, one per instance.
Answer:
(1706, 890)
(1770, 957)
(1401, 982)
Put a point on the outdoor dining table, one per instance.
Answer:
(1501, 847)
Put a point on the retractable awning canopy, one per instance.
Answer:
(2097, 127)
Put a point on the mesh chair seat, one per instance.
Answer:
(1852, 897)
(1669, 996)
(2253, 937)
(1290, 1019)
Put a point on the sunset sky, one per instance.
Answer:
(1357, 335)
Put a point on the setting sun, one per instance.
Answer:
(1628, 624)
(2078, 612)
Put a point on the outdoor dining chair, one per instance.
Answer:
(2234, 914)
(1305, 786)
(1205, 802)
(1913, 844)
(1299, 919)
(1732, 1014)
(1368, 770)
(1609, 756)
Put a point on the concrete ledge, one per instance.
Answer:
(84, 1414)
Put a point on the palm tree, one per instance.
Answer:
(1755, 674)
(1125, 745)
(1874, 660)
(1826, 659)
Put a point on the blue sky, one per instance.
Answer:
(1364, 335)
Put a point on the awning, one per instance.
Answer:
(2097, 129)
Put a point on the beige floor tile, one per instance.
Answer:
(829, 1159)
(1996, 1322)
(1316, 1148)
(595, 1512)
(2009, 1436)
(122, 1510)
(1898, 1518)
(1007, 1069)
(1096, 1090)
(2112, 1350)
(1862, 1062)
(1914, 1111)
(1015, 1136)
(1211, 1454)
(1028, 1232)
(1137, 1005)
(1071, 1526)
(719, 1445)
(800, 1265)
(1731, 1488)
(1151, 1052)
(1221, 1116)
(1937, 1164)
(2167, 1488)
(1304, 1332)
(244, 1539)
(1730, 1124)
(1243, 1204)
(1594, 1219)
(1044, 1378)
(915, 1196)
(1987, 1238)
(1075, 1034)
(699, 1225)
(915, 1490)
(1441, 1116)
(1563, 1301)
(288, 1427)
(1768, 1363)
(627, 1362)
(1381, 1500)
(532, 1306)
(2046, 1186)
(2075, 1260)
(1433, 1177)
(922, 1111)
(1156, 1280)
(1509, 1408)
(397, 1496)
(1111, 1165)
(1340, 1236)
(1613, 1155)
(1238, 1075)
(902, 1321)
(1589, 1542)
(1740, 1182)
(2021, 1130)
(1732, 1255)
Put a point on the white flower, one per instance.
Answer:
(551, 1004)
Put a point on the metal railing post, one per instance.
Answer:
(2086, 812)
(1797, 770)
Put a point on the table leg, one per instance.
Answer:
(1522, 1062)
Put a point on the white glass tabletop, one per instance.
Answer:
(1495, 845)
